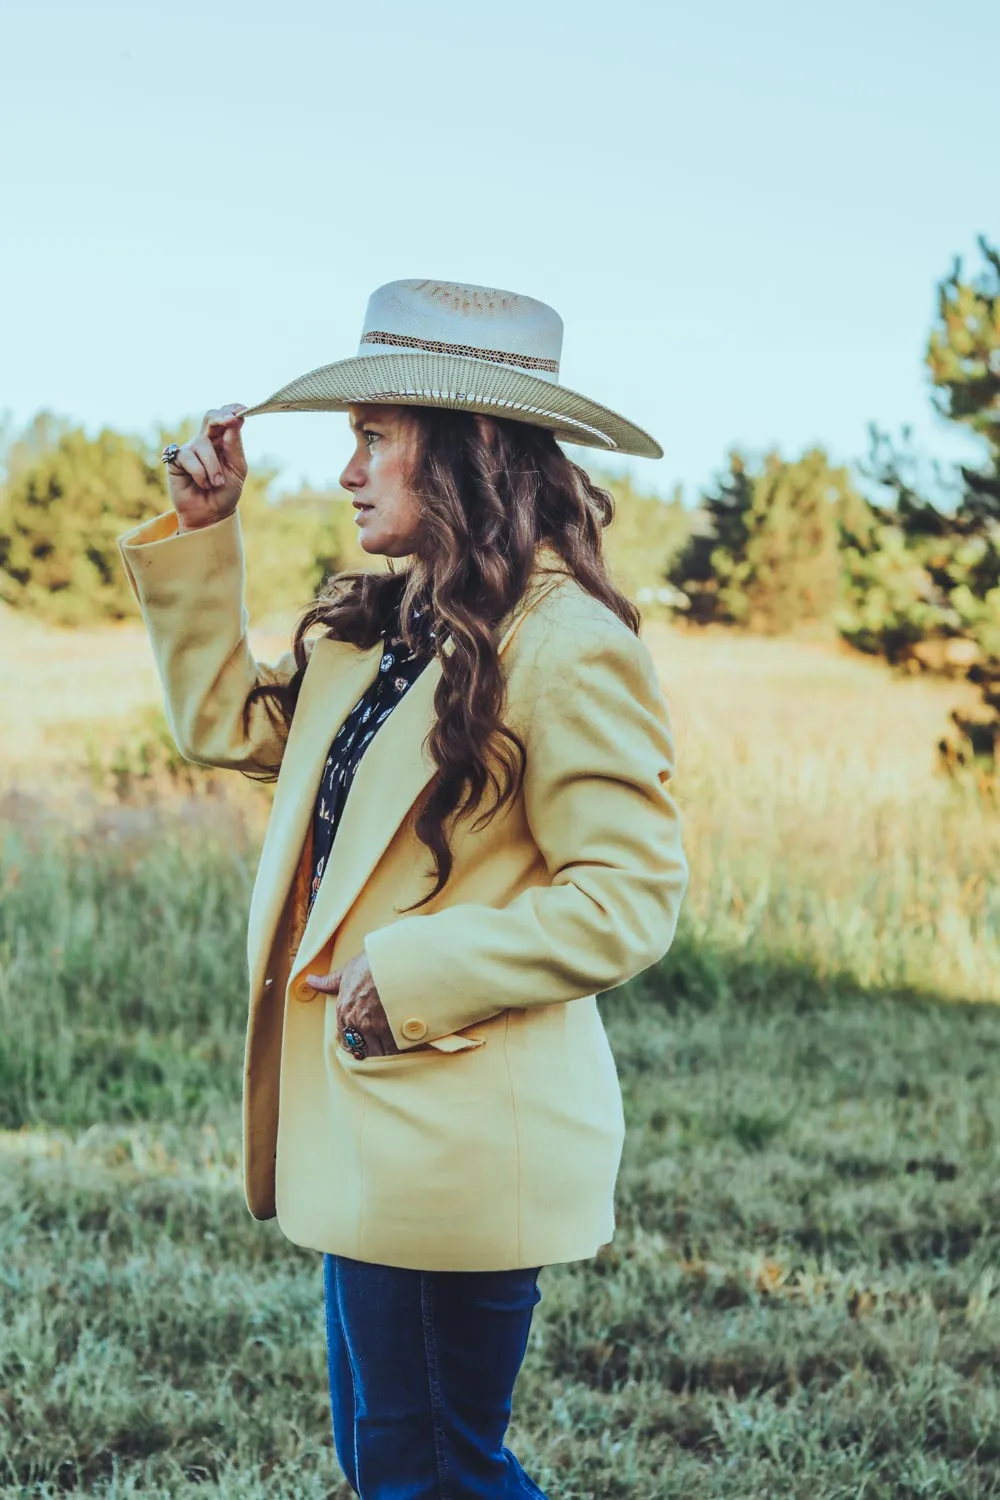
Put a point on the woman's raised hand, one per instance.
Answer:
(206, 478)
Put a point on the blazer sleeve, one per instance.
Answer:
(598, 800)
(190, 588)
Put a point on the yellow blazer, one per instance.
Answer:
(493, 1139)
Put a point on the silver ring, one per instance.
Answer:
(355, 1042)
(170, 452)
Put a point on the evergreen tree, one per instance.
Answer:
(948, 557)
(767, 556)
(906, 569)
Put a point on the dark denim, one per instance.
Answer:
(422, 1369)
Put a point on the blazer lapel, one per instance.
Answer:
(337, 674)
(392, 773)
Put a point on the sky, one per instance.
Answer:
(741, 212)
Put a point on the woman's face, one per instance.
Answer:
(388, 515)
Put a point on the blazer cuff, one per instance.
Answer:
(412, 1021)
(158, 560)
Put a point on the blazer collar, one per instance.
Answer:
(392, 773)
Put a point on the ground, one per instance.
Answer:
(802, 1299)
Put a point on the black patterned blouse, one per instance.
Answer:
(398, 670)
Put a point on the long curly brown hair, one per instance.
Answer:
(484, 507)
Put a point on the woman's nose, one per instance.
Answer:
(353, 476)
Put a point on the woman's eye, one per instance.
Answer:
(369, 435)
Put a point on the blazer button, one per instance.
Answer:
(303, 990)
(413, 1029)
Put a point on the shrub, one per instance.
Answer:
(61, 509)
(767, 555)
(66, 499)
(643, 539)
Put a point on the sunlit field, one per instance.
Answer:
(803, 1298)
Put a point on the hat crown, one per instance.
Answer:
(458, 318)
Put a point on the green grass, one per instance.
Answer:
(803, 1299)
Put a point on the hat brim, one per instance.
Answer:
(416, 378)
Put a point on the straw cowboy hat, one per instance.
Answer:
(473, 348)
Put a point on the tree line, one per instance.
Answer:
(65, 497)
(782, 545)
(776, 545)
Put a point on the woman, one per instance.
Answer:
(473, 833)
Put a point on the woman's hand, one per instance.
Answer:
(206, 478)
(359, 1005)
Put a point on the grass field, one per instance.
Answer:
(803, 1299)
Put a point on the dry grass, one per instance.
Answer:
(816, 820)
(812, 710)
(60, 688)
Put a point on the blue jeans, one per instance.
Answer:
(422, 1368)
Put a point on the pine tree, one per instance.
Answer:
(767, 557)
(953, 553)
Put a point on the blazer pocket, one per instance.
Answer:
(455, 1041)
